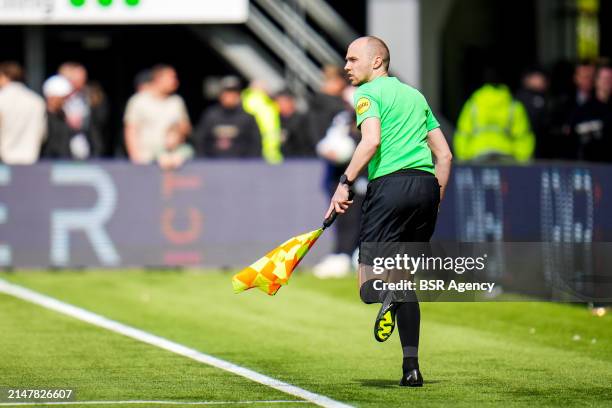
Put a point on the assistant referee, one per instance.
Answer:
(399, 139)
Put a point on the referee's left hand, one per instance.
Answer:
(340, 201)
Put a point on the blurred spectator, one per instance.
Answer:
(154, 112)
(294, 130)
(60, 143)
(142, 80)
(565, 106)
(176, 152)
(257, 102)
(533, 96)
(86, 109)
(584, 79)
(326, 104)
(591, 123)
(226, 130)
(22, 118)
(493, 126)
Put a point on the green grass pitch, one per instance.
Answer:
(313, 334)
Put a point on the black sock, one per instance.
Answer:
(410, 363)
(408, 317)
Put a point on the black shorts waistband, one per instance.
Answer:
(406, 172)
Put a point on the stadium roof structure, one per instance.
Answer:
(122, 12)
(284, 44)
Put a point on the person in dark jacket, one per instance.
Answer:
(59, 143)
(533, 96)
(591, 123)
(564, 107)
(326, 104)
(295, 140)
(87, 110)
(226, 130)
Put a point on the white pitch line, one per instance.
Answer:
(145, 337)
(136, 402)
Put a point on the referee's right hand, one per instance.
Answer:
(340, 201)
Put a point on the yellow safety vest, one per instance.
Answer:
(264, 109)
(493, 123)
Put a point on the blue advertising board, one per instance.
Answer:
(229, 213)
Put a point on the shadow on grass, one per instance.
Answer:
(378, 383)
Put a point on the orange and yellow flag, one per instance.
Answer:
(274, 270)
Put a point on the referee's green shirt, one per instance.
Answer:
(405, 119)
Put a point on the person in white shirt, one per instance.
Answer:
(154, 113)
(23, 122)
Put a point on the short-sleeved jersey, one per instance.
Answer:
(154, 117)
(405, 119)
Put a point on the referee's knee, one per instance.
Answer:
(368, 293)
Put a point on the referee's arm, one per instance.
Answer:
(441, 151)
(370, 140)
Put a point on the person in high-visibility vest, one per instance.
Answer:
(493, 126)
(257, 102)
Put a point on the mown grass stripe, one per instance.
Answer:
(149, 338)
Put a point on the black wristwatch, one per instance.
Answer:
(344, 180)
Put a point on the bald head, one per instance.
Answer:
(367, 58)
(378, 48)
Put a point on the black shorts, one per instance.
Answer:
(399, 207)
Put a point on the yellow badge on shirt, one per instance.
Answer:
(363, 104)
